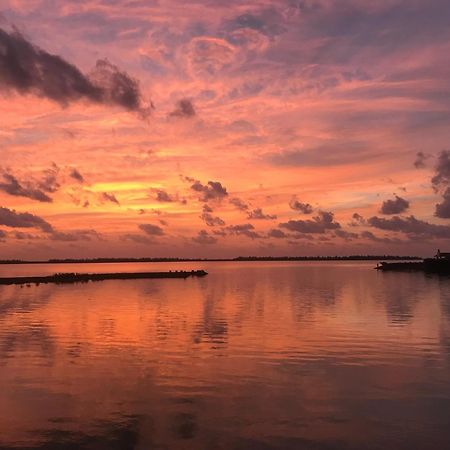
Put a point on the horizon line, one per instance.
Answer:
(368, 257)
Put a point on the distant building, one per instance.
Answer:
(442, 255)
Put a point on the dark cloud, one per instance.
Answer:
(105, 196)
(2, 235)
(276, 234)
(323, 222)
(440, 181)
(19, 235)
(257, 214)
(209, 219)
(28, 69)
(304, 208)
(33, 188)
(244, 230)
(12, 186)
(212, 221)
(410, 226)
(443, 208)
(72, 236)
(247, 20)
(347, 235)
(211, 191)
(13, 219)
(421, 160)
(357, 220)
(138, 238)
(151, 230)
(49, 180)
(163, 196)
(369, 235)
(204, 238)
(187, 179)
(396, 206)
(267, 21)
(240, 228)
(184, 108)
(442, 176)
(76, 175)
(239, 204)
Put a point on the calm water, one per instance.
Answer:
(253, 356)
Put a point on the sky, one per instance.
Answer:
(223, 128)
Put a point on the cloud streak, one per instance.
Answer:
(76, 175)
(107, 197)
(329, 154)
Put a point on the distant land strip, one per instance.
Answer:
(239, 258)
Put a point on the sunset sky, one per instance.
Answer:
(223, 128)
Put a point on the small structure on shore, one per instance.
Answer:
(439, 264)
(443, 255)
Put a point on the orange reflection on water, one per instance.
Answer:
(253, 354)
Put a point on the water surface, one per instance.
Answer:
(257, 355)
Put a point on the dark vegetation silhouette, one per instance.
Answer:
(239, 258)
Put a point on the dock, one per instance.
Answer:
(62, 278)
(401, 266)
(439, 264)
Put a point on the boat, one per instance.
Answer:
(61, 278)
